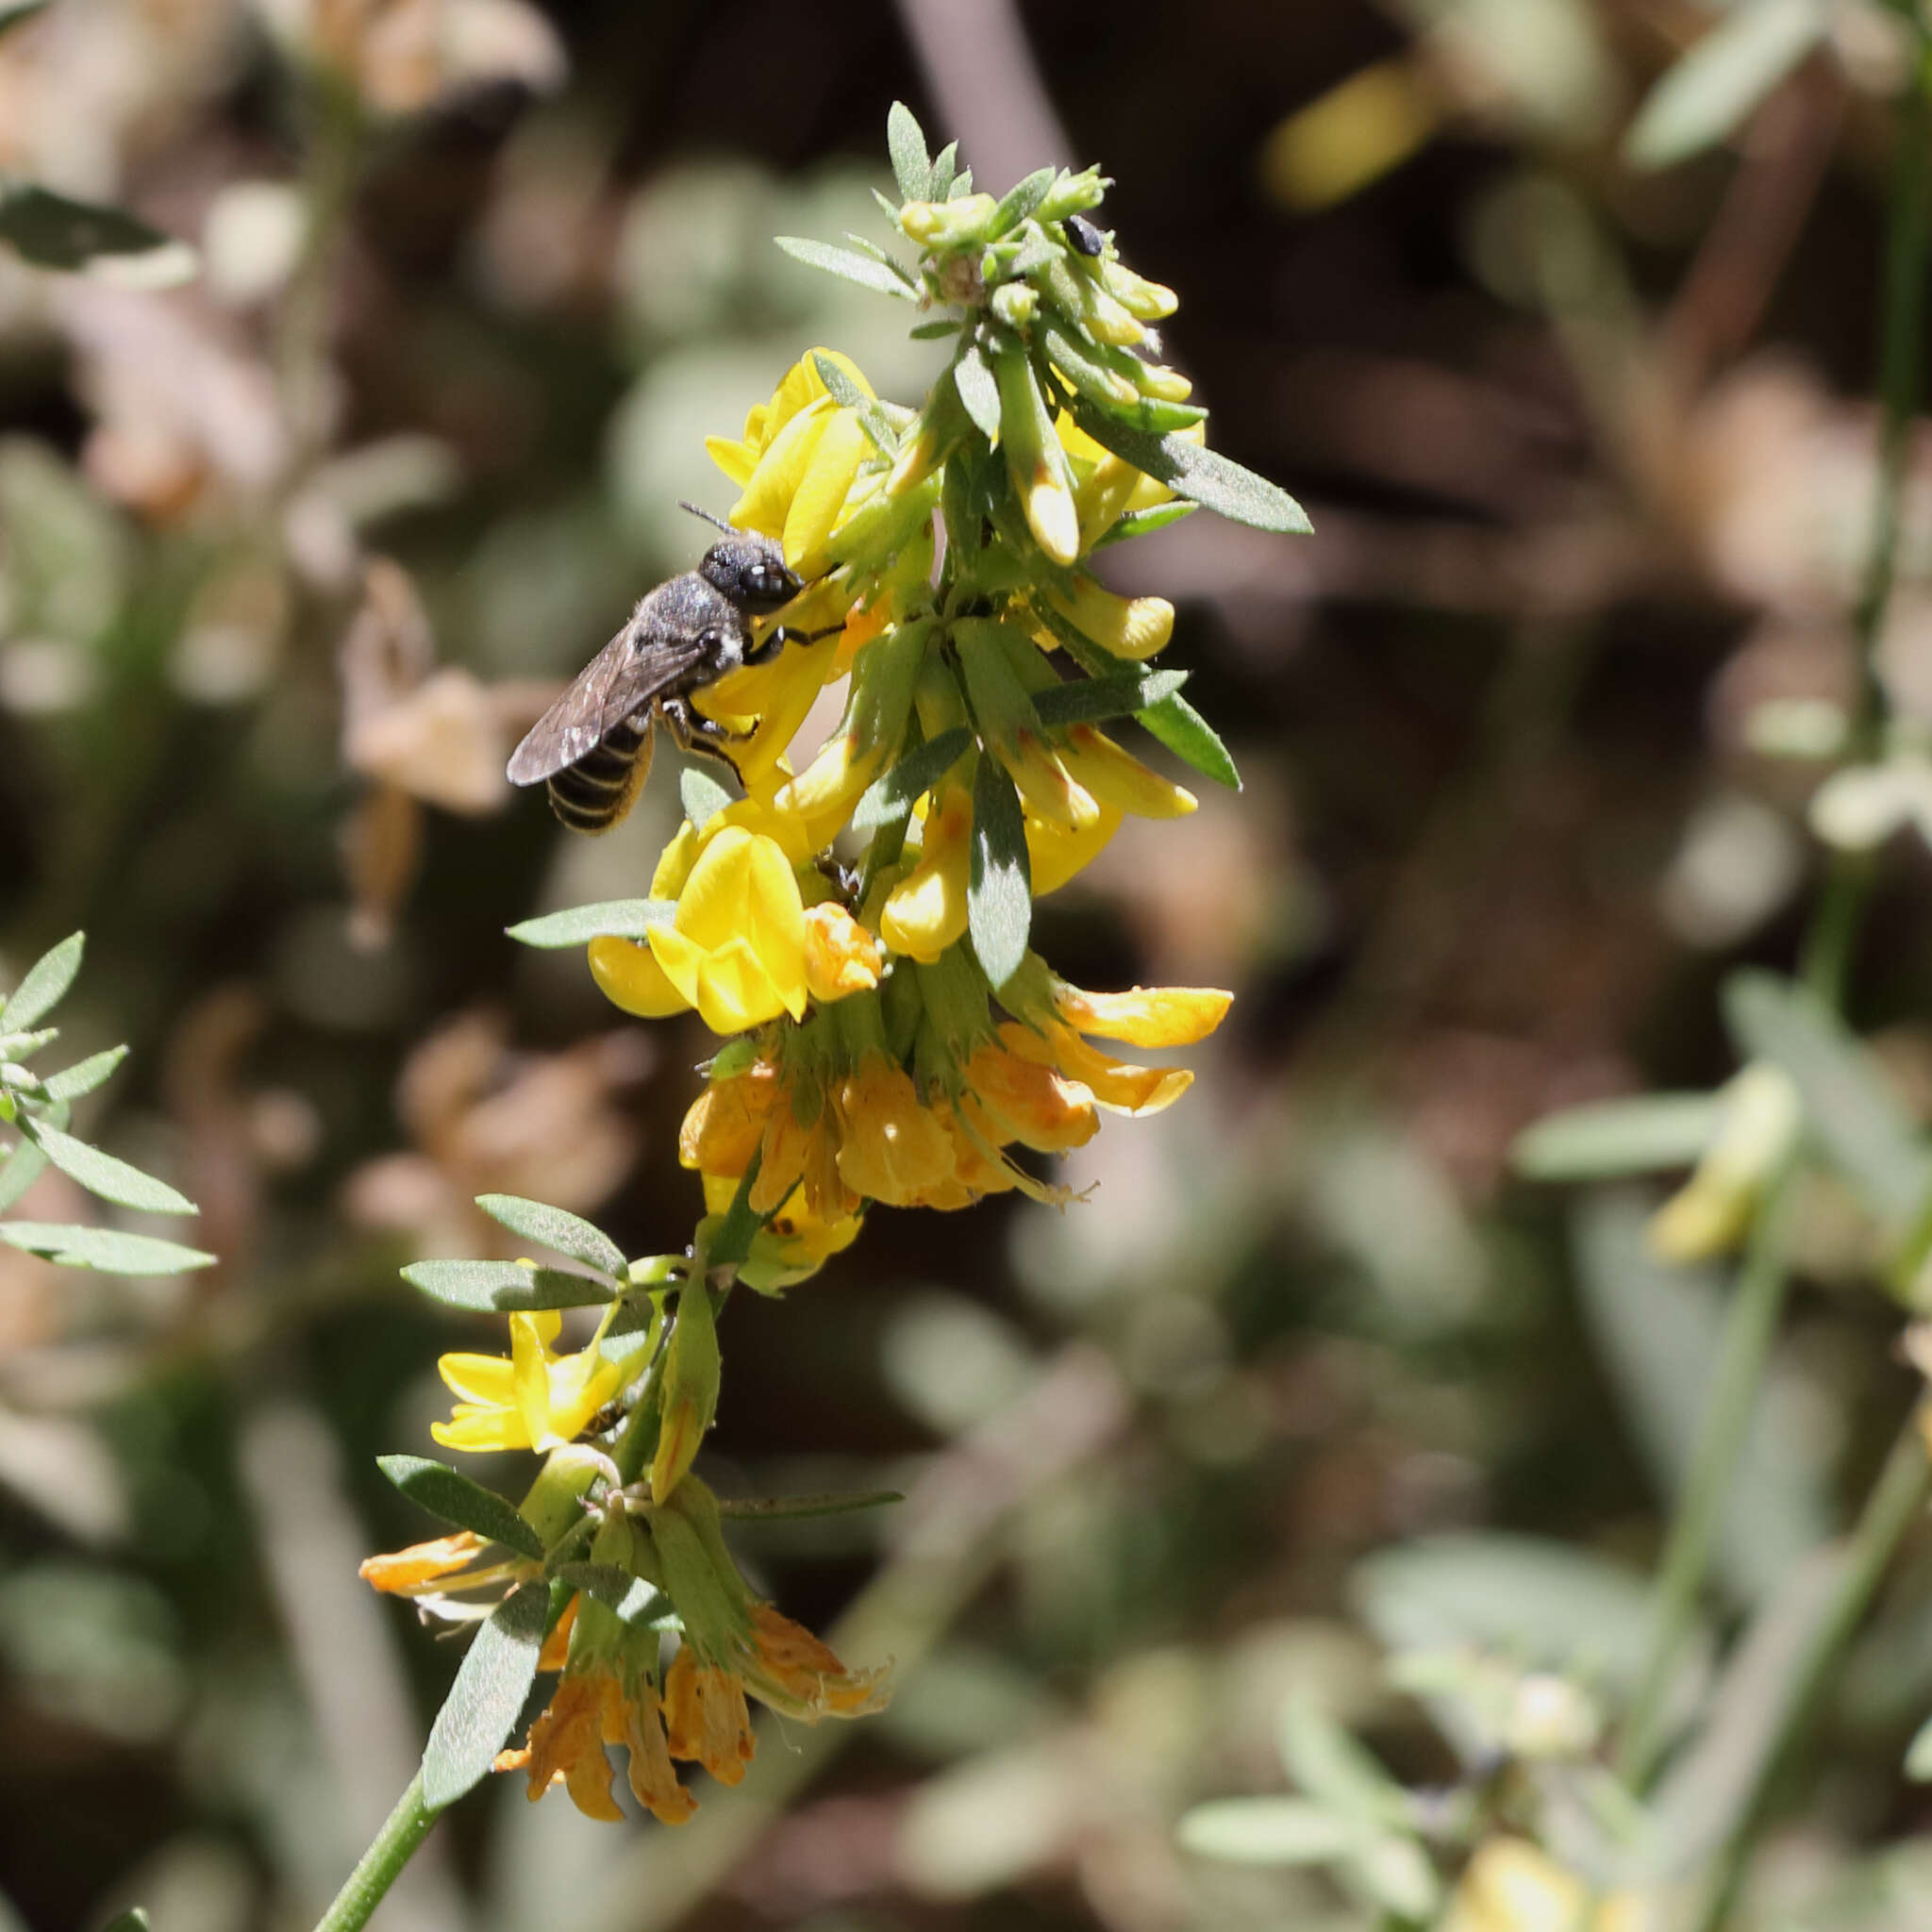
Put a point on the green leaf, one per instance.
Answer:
(625, 918)
(781, 1508)
(1268, 1831)
(701, 796)
(1855, 1116)
(848, 395)
(452, 1496)
(1708, 93)
(1657, 1332)
(83, 1076)
(999, 890)
(962, 185)
(103, 1175)
(892, 797)
(52, 231)
(1143, 522)
(1086, 700)
(1330, 1766)
(504, 1287)
(105, 1249)
(634, 1600)
(974, 378)
(932, 331)
(19, 1170)
(555, 1227)
(1190, 738)
(1607, 1138)
(944, 164)
(1018, 201)
(1204, 476)
(487, 1696)
(879, 277)
(905, 144)
(135, 1918)
(44, 984)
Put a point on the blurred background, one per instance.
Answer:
(292, 551)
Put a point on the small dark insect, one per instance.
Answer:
(592, 747)
(1082, 234)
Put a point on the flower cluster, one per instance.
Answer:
(857, 929)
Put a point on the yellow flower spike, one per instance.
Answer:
(535, 1400)
(1118, 778)
(1134, 627)
(1145, 1016)
(403, 1571)
(927, 910)
(736, 948)
(1055, 854)
(893, 1147)
(841, 956)
(817, 501)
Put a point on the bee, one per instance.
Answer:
(592, 747)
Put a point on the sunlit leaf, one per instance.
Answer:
(1089, 699)
(1204, 476)
(19, 1171)
(448, 1493)
(555, 1227)
(487, 1696)
(973, 377)
(905, 145)
(503, 1286)
(85, 1075)
(999, 890)
(625, 918)
(103, 1175)
(44, 985)
(105, 1249)
(701, 796)
(1190, 738)
(878, 275)
(1020, 200)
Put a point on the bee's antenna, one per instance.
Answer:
(729, 530)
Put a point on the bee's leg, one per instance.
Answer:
(768, 647)
(695, 732)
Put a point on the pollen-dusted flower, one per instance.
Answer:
(537, 1399)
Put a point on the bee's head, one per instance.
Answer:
(750, 570)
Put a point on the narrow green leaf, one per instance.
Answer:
(452, 1496)
(103, 1175)
(962, 185)
(555, 1227)
(625, 918)
(44, 985)
(974, 378)
(1328, 1763)
(487, 1696)
(944, 164)
(905, 144)
(932, 331)
(1854, 1115)
(701, 796)
(19, 1170)
(503, 1286)
(634, 1600)
(1018, 201)
(1204, 476)
(1268, 1831)
(52, 231)
(1145, 523)
(1088, 700)
(781, 1508)
(879, 277)
(999, 890)
(1607, 1138)
(106, 1250)
(135, 1918)
(83, 1076)
(1190, 738)
(892, 796)
(848, 395)
(1710, 91)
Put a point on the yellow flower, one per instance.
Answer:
(798, 461)
(927, 910)
(1510, 1886)
(535, 1400)
(793, 1244)
(779, 692)
(1758, 1119)
(892, 1146)
(590, 1709)
(735, 948)
(1148, 1015)
(841, 956)
(402, 1572)
(1132, 628)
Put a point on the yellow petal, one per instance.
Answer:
(1117, 778)
(1055, 854)
(820, 494)
(629, 976)
(768, 495)
(1146, 1015)
(530, 1372)
(927, 910)
(737, 460)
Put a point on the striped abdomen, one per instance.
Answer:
(593, 793)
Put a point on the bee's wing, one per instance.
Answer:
(628, 672)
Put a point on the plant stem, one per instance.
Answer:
(1892, 1509)
(380, 1866)
(1750, 1327)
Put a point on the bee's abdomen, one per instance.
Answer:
(595, 792)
